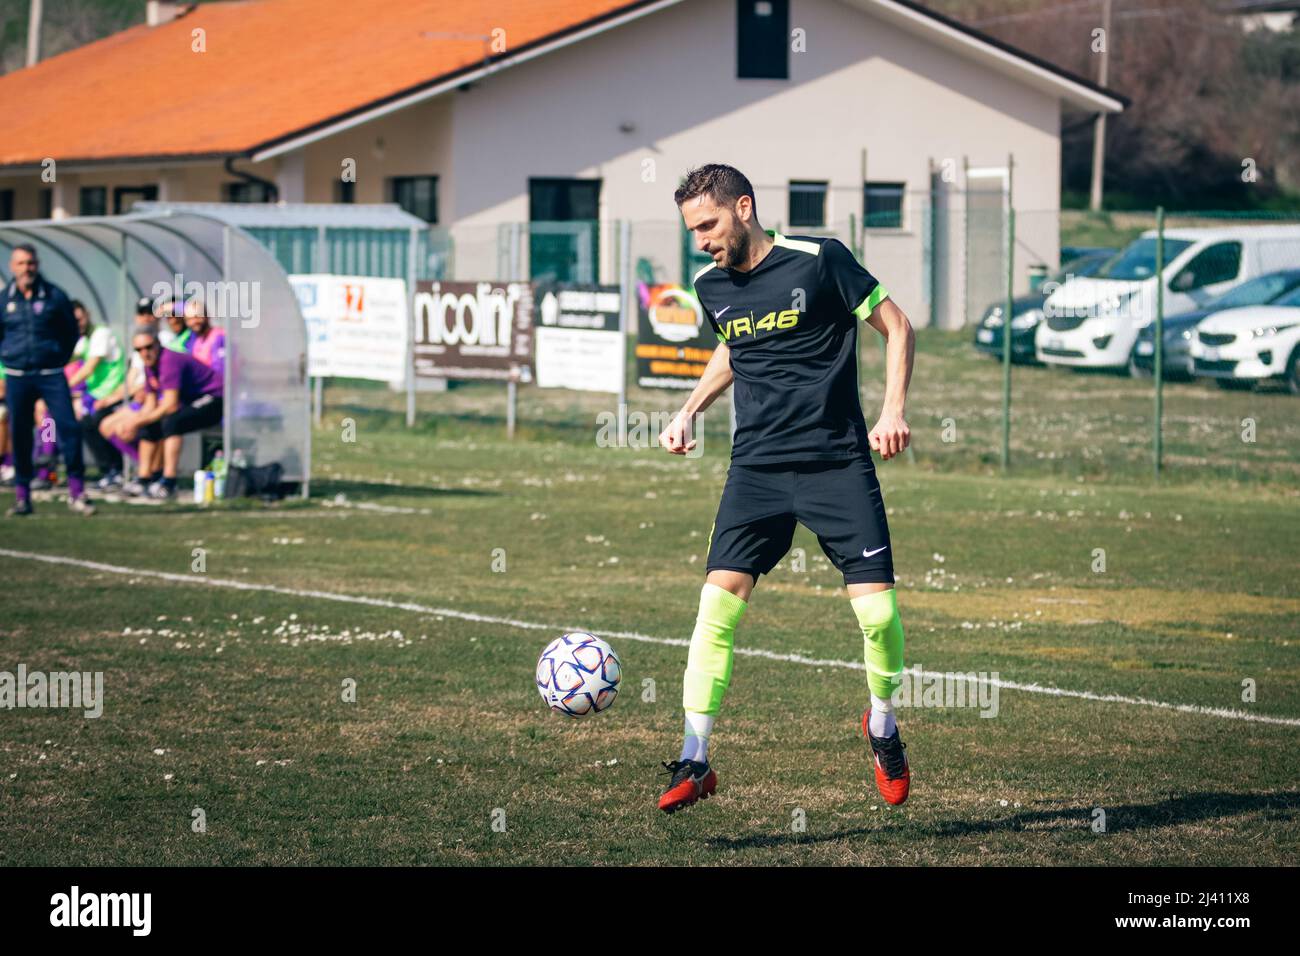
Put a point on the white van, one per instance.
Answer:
(1094, 321)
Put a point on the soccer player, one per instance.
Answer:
(785, 312)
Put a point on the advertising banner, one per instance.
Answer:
(356, 326)
(674, 342)
(579, 344)
(474, 330)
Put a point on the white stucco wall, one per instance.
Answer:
(860, 84)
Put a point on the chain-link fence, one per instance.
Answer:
(1037, 347)
(1158, 347)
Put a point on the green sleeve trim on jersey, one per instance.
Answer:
(878, 295)
(721, 338)
(799, 245)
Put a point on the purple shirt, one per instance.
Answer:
(186, 374)
(209, 348)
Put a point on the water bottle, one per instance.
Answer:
(209, 487)
(200, 483)
(219, 474)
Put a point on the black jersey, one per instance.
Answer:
(791, 324)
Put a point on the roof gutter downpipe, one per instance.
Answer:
(272, 189)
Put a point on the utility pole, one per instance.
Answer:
(34, 33)
(1099, 133)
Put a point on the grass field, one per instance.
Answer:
(223, 689)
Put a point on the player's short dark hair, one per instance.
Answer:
(78, 304)
(723, 184)
(26, 247)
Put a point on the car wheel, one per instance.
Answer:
(1293, 372)
(1235, 384)
(1135, 370)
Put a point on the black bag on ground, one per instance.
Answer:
(260, 482)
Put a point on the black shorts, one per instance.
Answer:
(839, 501)
(205, 412)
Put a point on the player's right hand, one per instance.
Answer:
(676, 438)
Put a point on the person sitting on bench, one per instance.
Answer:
(182, 395)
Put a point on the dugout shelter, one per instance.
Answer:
(108, 262)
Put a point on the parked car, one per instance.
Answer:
(1179, 329)
(1093, 321)
(1069, 253)
(1027, 310)
(1242, 347)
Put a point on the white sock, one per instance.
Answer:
(695, 746)
(881, 723)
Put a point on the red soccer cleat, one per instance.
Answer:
(691, 781)
(893, 777)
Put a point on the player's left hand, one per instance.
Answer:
(890, 435)
(676, 438)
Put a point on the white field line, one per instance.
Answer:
(371, 506)
(1222, 712)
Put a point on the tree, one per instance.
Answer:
(1206, 97)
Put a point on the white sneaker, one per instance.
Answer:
(81, 506)
(134, 489)
(160, 491)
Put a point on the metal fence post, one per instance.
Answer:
(965, 240)
(928, 256)
(731, 414)
(320, 266)
(855, 248)
(512, 400)
(411, 268)
(1006, 340)
(626, 293)
(515, 265)
(233, 343)
(125, 311)
(1160, 337)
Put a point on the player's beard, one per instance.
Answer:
(737, 248)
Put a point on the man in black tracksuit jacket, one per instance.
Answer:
(38, 333)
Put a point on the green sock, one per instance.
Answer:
(882, 639)
(708, 665)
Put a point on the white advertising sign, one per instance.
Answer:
(577, 341)
(356, 326)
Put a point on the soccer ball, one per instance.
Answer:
(578, 674)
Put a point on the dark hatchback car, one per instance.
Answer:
(1027, 310)
(1177, 360)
